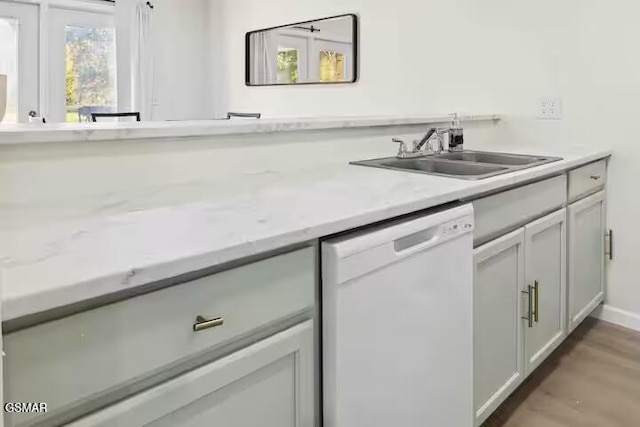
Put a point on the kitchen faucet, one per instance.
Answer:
(456, 140)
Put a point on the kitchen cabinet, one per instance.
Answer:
(544, 299)
(498, 329)
(519, 307)
(268, 384)
(586, 265)
(556, 264)
(142, 341)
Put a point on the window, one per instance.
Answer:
(79, 69)
(287, 65)
(332, 68)
(9, 66)
(90, 72)
(81, 74)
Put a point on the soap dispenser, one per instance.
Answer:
(456, 134)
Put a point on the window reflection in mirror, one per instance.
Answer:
(320, 51)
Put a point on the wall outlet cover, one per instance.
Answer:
(551, 108)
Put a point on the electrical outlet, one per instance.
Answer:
(551, 108)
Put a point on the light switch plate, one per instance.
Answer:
(551, 108)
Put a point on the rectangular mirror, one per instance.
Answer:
(322, 51)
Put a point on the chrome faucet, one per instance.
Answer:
(456, 140)
(417, 145)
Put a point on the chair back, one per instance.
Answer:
(243, 116)
(111, 117)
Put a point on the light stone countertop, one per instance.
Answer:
(236, 215)
(86, 132)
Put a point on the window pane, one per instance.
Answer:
(9, 66)
(287, 65)
(90, 72)
(331, 66)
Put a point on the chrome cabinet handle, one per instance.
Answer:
(536, 310)
(529, 317)
(203, 323)
(595, 177)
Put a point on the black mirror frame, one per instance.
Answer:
(356, 58)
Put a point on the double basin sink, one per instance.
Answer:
(471, 165)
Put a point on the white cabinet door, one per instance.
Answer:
(498, 358)
(269, 384)
(545, 284)
(586, 257)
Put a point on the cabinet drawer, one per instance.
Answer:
(587, 180)
(503, 212)
(79, 359)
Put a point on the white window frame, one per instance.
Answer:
(29, 64)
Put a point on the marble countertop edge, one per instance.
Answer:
(94, 132)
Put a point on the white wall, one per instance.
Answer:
(497, 56)
(217, 58)
(182, 84)
(416, 56)
(181, 71)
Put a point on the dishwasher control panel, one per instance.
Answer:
(458, 226)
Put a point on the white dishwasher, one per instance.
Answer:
(397, 323)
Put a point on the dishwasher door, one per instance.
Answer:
(397, 324)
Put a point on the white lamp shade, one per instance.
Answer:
(3, 96)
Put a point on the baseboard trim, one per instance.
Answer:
(627, 319)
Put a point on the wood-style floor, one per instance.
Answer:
(592, 380)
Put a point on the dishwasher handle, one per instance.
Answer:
(417, 241)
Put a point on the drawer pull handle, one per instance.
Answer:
(595, 177)
(202, 323)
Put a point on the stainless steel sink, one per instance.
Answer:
(472, 165)
(495, 158)
(438, 166)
